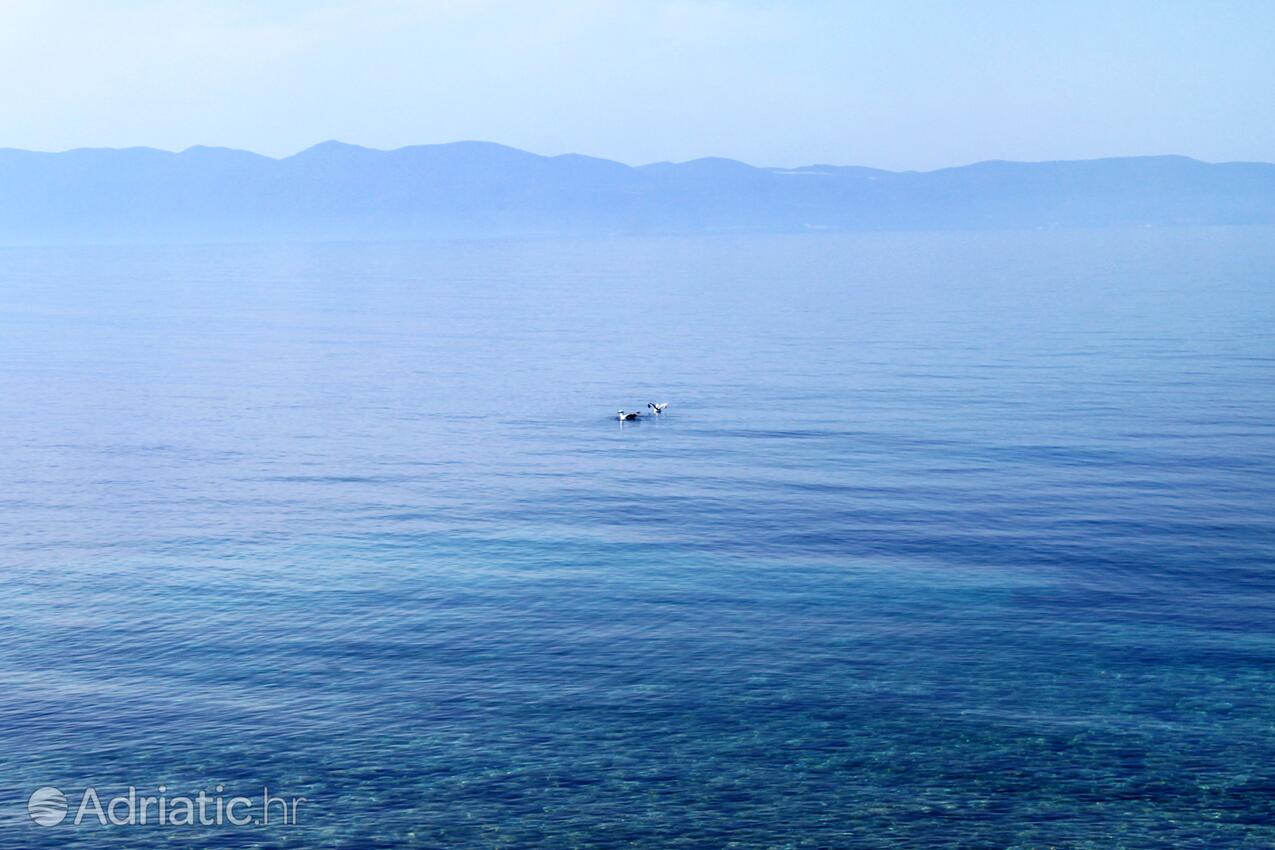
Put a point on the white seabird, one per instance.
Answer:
(624, 417)
(657, 409)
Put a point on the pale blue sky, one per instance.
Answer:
(906, 84)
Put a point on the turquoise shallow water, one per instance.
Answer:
(947, 540)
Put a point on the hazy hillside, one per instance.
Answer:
(339, 191)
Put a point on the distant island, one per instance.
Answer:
(340, 191)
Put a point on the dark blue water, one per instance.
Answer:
(947, 540)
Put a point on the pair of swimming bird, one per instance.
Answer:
(656, 410)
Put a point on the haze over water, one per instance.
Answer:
(947, 540)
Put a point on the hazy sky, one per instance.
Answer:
(900, 84)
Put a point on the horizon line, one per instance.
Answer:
(336, 143)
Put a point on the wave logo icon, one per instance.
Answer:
(47, 806)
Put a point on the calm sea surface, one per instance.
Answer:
(946, 540)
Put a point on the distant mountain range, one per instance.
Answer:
(339, 191)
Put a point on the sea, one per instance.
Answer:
(945, 540)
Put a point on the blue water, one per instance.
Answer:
(947, 540)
